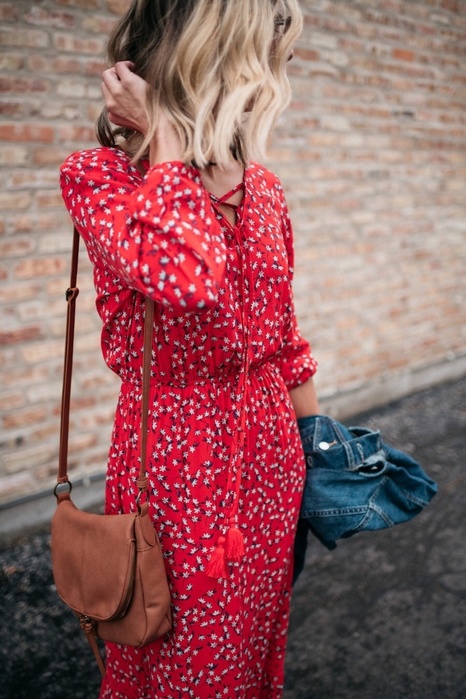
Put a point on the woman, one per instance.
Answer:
(173, 206)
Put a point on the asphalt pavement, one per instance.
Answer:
(381, 617)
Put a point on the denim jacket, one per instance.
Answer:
(355, 482)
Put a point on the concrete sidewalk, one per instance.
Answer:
(381, 617)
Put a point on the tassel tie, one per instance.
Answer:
(229, 548)
(216, 567)
(234, 548)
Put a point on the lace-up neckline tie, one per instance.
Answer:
(223, 200)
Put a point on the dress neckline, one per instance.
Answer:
(224, 198)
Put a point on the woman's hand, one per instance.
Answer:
(125, 95)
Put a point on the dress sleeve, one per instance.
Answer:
(159, 235)
(294, 360)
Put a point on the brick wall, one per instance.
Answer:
(50, 69)
(371, 153)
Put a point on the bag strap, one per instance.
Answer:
(64, 486)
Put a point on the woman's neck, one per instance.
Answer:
(219, 181)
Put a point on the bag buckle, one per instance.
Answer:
(62, 488)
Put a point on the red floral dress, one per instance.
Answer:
(226, 351)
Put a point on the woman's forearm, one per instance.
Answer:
(304, 399)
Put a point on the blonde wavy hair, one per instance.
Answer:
(217, 69)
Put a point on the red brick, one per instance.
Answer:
(15, 247)
(403, 55)
(24, 417)
(79, 134)
(451, 5)
(27, 132)
(79, 402)
(16, 292)
(9, 401)
(93, 66)
(24, 334)
(43, 433)
(36, 222)
(23, 85)
(45, 63)
(9, 12)
(48, 199)
(83, 441)
(11, 108)
(73, 44)
(307, 54)
(47, 266)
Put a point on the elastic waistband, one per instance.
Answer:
(221, 378)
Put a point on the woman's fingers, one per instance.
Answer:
(125, 96)
(124, 69)
(116, 73)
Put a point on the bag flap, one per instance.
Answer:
(93, 560)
